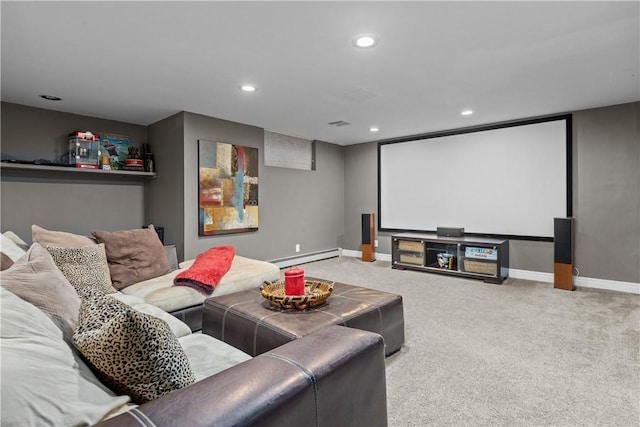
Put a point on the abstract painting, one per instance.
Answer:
(227, 188)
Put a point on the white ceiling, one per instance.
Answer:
(140, 62)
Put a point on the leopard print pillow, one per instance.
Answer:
(85, 268)
(133, 353)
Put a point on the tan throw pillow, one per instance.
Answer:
(85, 268)
(36, 279)
(132, 352)
(60, 239)
(133, 255)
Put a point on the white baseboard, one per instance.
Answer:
(309, 257)
(612, 285)
(538, 276)
(585, 282)
(358, 254)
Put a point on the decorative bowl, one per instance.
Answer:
(315, 294)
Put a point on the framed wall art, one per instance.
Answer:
(227, 188)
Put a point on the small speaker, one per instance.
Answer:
(159, 231)
(368, 237)
(450, 231)
(563, 237)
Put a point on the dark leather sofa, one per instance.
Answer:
(332, 377)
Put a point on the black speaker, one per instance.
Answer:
(366, 232)
(159, 231)
(450, 231)
(563, 240)
(368, 237)
(563, 237)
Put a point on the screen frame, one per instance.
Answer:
(481, 128)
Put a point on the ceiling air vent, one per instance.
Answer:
(339, 123)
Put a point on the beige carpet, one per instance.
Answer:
(516, 354)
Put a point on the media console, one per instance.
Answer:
(473, 257)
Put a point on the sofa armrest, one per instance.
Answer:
(333, 377)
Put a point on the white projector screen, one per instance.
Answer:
(505, 181)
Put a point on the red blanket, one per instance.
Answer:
(207, 270)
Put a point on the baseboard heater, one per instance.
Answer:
(304, 258)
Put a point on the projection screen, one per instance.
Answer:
(508, 181)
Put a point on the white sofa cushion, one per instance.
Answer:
(245, 273)
(44, 380)
(209, 356)
(16, 239)
(10, 248)
(177, 326)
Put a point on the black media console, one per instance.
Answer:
(473, 257)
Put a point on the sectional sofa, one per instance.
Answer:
(76, 351)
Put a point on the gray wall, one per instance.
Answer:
(165, 194)
(317, 209)
(606, 161)
(607, 192)
(296, 206)
(61, 201)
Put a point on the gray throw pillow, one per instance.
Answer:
(85, 268)
(133, 255)
(132, 352)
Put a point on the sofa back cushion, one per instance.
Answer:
(36, 279)
(85, 268)
(44, 380)
(134, 353)
(133, 255)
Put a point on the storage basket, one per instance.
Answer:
(411, 259)
(406, 245)
(480, 267)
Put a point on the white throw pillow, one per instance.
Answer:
(44, 380)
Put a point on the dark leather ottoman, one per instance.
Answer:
(248, 322)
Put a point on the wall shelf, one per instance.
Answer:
(29, 169)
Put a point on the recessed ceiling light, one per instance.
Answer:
(374, 129)
(365, 40)
(51, 98)
(467, 112)
(248, 88)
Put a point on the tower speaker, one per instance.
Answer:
(368, 237)
(563, 236)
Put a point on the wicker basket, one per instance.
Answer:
(411, 259)
(480, 267)
(315, 294)
(407, 245)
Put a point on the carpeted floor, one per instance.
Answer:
(516, 354)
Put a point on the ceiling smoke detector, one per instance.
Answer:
(339, 123)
